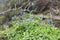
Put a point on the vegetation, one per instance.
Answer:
(22, 20)
(31, 28)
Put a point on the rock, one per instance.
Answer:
(23, 11)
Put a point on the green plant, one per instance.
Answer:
(31, 28)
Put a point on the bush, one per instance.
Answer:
(31, 29)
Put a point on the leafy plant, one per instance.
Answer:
(31, 28)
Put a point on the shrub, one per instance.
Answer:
(31, 29)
